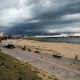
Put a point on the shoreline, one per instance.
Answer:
(42, 40)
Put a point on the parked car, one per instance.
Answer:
(36, 51)
(10, 46)
(28, 49)
(57, 55)
(23, 48)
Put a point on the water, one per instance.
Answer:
(60, 39)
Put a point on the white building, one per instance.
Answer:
(2, 34)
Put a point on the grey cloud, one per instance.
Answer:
(41, 15)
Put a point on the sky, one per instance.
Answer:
(44, 16)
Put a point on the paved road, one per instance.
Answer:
(62, 68)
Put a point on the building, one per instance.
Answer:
(3, 35)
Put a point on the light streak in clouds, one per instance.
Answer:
(14, 14)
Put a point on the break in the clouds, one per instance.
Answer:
(40, 15)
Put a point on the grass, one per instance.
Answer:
(13, 69)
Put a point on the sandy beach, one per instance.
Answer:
(65, 49)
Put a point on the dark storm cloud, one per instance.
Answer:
(3, 29)
(42, 16)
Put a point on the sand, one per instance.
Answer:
(65, 49)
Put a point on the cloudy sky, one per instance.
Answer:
(49, 16)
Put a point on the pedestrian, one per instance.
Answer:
(53, 67)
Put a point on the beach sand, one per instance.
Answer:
(65, 49)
